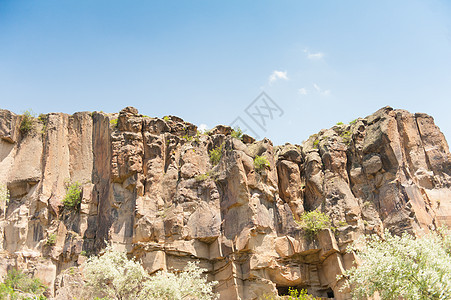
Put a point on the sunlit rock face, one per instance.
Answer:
(149, 187)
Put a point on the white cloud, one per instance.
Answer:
(314, 56)
(318, 55)
(326, 93)
(320, 91)
(303, 91)
(202, 128)
(316, 87)
(278, 75)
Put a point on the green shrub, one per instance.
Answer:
(44, 120)
(315, 143)
(115, 276)
(261, 163)
(167, 118)
(314, 221)
(401, 267)
(347, 137)
(342, 223)
(27, 124)
(73, 196)
(216, 154)
(20, 282)
(202, 177)
(51, 240)
(353, 121)
(188, 138)
(340, 123)
(294, 294)
(113, 122)
(237, 133)
(7, 292)
(302, 295)
(4, 194)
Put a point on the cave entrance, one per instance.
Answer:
(330, 293)
(282, 290)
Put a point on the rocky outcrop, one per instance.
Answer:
(150, 187)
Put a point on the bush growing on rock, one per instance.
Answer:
(216, 154)
(27, 123)
(73, 196)
(402, 267)
(18, 285)
(314, 221)
(261, 163)
(237, 133)
(115, 276)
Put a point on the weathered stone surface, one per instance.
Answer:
(149, 187)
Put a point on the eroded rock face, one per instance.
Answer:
(149, 187)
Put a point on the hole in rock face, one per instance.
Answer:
(330, 293)
(282, 290)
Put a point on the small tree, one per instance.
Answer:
(73, 196)
(237, 133)
(27, 123)
(113, 275)
(216, 154)
(18, 285)
(261, 163)
(314, 221)
(402, 267)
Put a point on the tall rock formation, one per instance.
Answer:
(150, 187)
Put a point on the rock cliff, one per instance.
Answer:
(150, 187)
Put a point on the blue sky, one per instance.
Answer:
(321, 62)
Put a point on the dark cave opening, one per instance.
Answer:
(330, 293)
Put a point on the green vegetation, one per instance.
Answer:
(402, 267)
(18, 285)
(27, 123)
(302, 295)
(43, 120)
(314, 221)
(114, 276)
(51, 240)
(315, 144)
(191, 138)
(261, 163)
(205, 176)
(202, 177)
(353, 122)
(342, 223)
(347, 137)
(167, 118)
(73, 196)
(4, 198)
(237, 133)
(113, 123)
(293, 294)
(4, 194)
(216, 154)
(340, 123)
